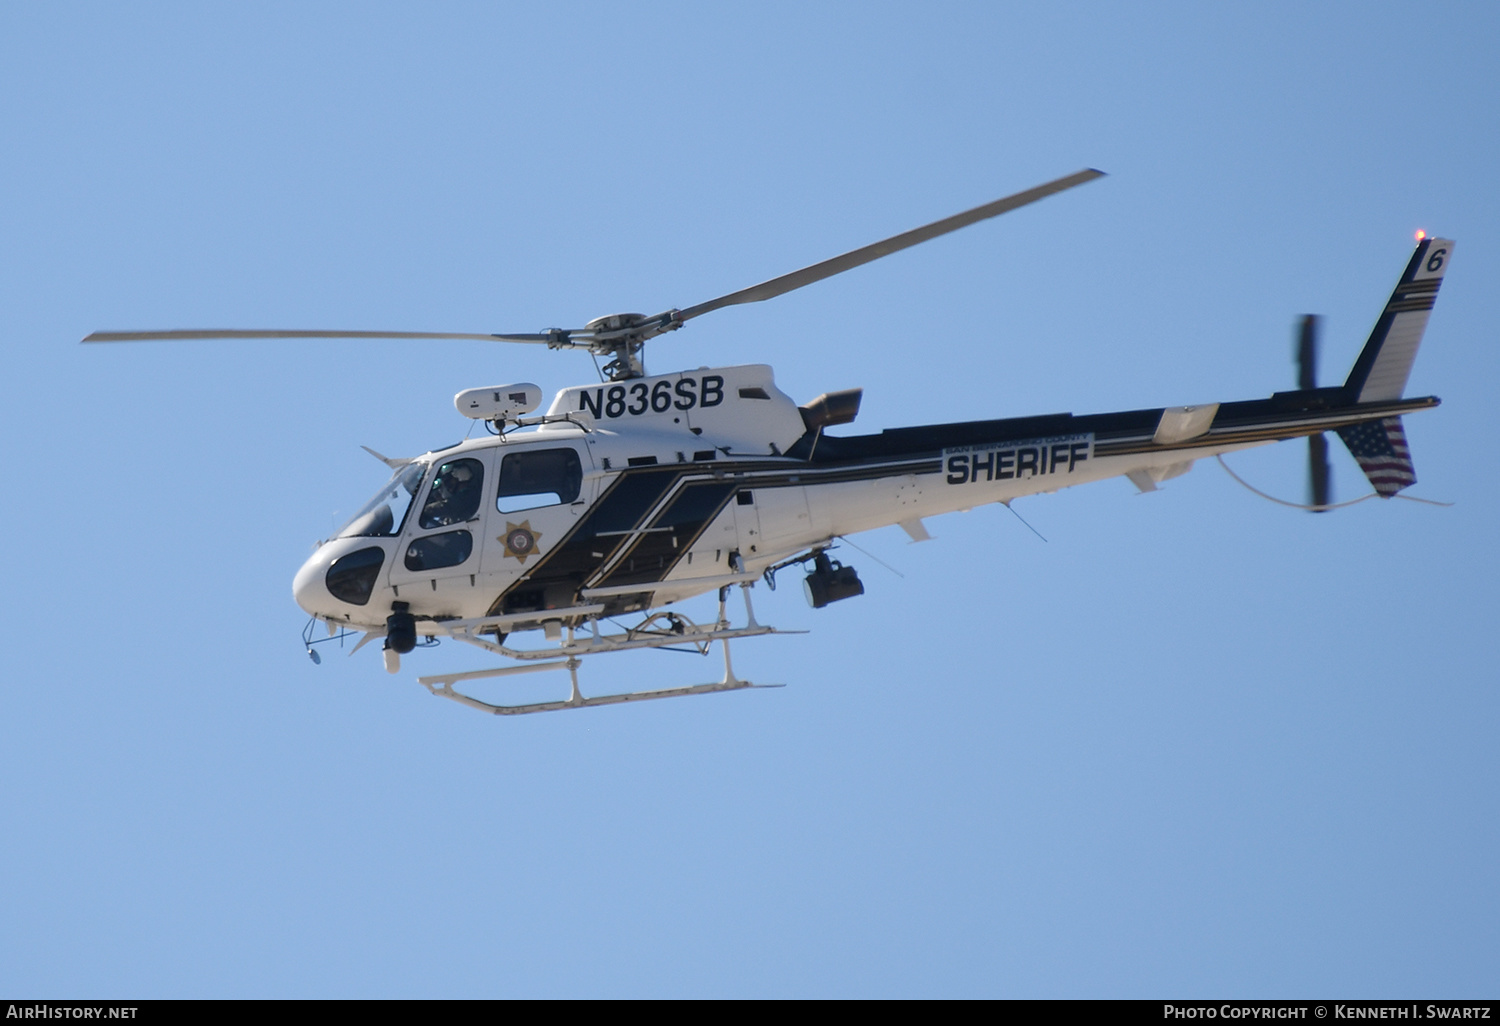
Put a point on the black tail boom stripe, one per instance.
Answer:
(648, 518)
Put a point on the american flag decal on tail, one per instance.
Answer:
(1380, 448)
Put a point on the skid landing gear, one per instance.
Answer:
(442, 686)
(668, 630)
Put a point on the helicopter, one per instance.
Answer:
(629, 496)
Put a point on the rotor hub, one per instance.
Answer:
(622, 337)
(614, 322)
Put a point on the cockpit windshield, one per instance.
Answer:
(383, 515)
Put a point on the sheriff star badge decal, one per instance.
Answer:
(520, 540)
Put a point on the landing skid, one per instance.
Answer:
(658, 630)
(442, 686)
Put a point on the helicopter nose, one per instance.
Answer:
(308, 587)
(340, 575)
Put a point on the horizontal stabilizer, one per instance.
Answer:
(1181, 423)
(1147, 478)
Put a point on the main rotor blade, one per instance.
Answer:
(874, 251)
(179, 334)
(1307, 353)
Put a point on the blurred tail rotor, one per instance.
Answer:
(1318, 490)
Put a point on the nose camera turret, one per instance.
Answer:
(400, 635)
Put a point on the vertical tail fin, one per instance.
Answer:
(1383, 366)
(1380, 373)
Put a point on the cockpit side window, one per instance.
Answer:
(455, 494)
(541, 477)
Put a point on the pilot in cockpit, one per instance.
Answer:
(455, 494)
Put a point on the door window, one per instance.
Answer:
(540, 477)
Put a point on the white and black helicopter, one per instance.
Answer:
(629, 496)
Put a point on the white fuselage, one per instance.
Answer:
(659, 489)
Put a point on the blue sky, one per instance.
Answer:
(1194, 744)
